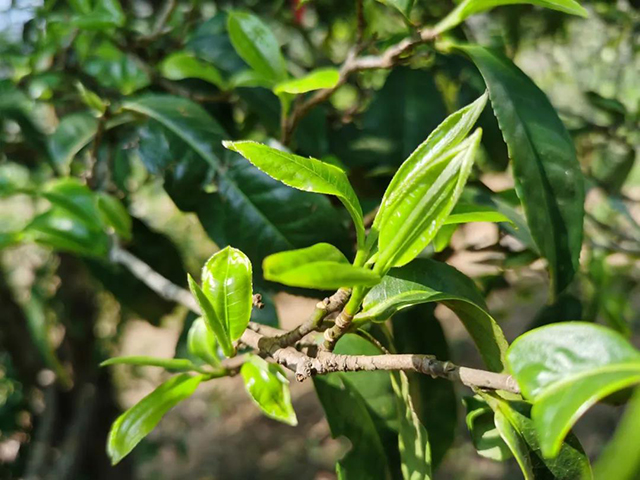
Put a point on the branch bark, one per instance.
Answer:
(264, 340)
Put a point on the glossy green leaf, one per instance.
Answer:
(315, 80)
(320, 266)
(485, 436)
(201, 342)
(115, 214)
(468, 213)
(269, 389)
(547, 173)
(403, 6)
(227, 283)
(472, 7)
(256, 44)
(447, 135)
(181, 65)
(306, 174)
(513, 422)
(424, 281)
(137, 422)
(171, 364)
(620, 458)
(348, 416)
(186, 119)
(214, 322)
(565, 368)
(74, 132)
(414, 219)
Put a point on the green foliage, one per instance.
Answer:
(134, 424)
(320, 266)
(269, 389)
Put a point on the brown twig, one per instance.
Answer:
(352, 64)
(305, 365)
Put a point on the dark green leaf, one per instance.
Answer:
(114, 214)
(547, 173)
(136, 423)
(257, 45)
(424, 281)
(416, 330)
(348, 416)
(565, 368)
(320, 266)
(269, 389)
(186, 119)
(74, 132)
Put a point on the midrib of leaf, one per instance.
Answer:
(226, 296)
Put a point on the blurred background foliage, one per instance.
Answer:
(134, 97)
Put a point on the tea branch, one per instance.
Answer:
(355, 63)
(278, 344)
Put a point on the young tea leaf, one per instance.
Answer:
(181, 65)
(414, 216)
(320, 266)
(269, 389)
(306, 174)
(201, 342)
(315, 80)
(136, 423)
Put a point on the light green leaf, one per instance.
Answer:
(181, 65)
(226, 281)
(74, 132)
(547, 173)
(211, 317)
(417, 216)
(315, 80)
(306, 174)
(565, 368)
(485, 435)
(186, 119)
(320, 266)
(249, 78)
(472, 7)
(467, 213)
(257, 45)
(620, 458)
(171, 364)
(61, 230)
(92, 100)
(201, 342)
(137, 422)
(269, 389)
(114, 213)
(424, 281)
(403, 6)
